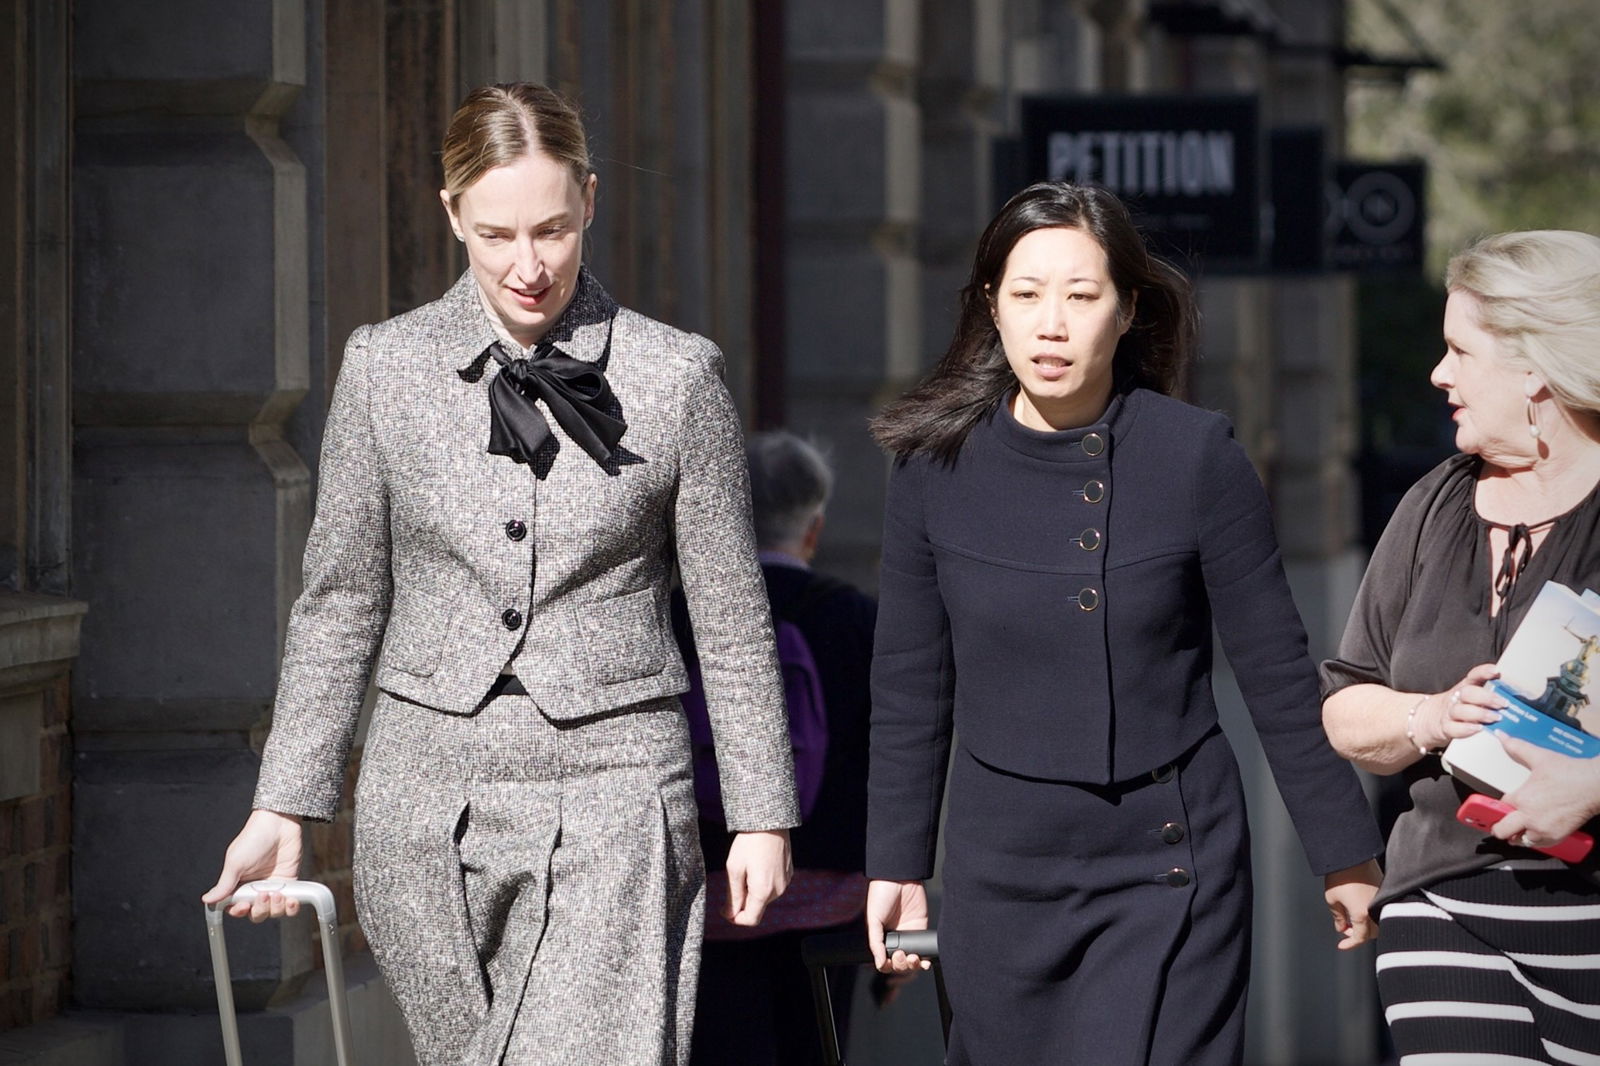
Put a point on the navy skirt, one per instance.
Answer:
(1087, 924)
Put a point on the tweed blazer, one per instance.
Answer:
(431, 561)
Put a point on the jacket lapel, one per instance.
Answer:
(496, 484)
(464, 330)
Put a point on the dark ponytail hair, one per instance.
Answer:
(969, 381)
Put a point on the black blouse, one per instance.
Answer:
(1421, 621)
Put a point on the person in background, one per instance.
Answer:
(755, 1002)
(1490, 950)
(508, 474)
(1060, 535)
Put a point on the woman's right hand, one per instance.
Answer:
(1561, 794)
(1459, 711)
(895, 905)
(267, 846)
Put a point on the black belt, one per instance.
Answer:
(507, 685)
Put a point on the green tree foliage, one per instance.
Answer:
(1510, 131)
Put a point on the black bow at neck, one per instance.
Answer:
(576, 392)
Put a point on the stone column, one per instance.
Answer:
(351, 273)
(727, 237)
(419, 96)
(35, 429)
(1278, 352)
(190, 510)
(35, 400)
(666, 92)
(1051, 47)
(39, 626)
(853, 318)
(961, 110)
(503, 41)
(1329, 1010)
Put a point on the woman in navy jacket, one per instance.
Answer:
(1061, 535)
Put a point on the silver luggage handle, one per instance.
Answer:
(321, 900)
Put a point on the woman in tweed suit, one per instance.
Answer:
(527, 868)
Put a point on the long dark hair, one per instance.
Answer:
(969, 381)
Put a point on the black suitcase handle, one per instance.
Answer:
(923, 942)
(850, 949)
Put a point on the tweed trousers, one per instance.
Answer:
(533, 888)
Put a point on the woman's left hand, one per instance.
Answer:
(759, 869)
(1349, 894)
(1559, 796)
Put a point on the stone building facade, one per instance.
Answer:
(208, 198)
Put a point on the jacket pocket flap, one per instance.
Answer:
(623, 637)
(418, 625)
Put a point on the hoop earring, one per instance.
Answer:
(1533, 420)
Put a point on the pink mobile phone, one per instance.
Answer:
(1481, 812)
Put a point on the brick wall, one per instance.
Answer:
(35, 891)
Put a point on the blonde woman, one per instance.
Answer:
(509, 475)
(1490, 950)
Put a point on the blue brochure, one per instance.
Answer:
(1545, 678)
(1523, 722)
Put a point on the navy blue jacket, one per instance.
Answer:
(1051, 597)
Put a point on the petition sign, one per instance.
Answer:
(1188, 166)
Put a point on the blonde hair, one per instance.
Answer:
(1538, 291)
(499, 124)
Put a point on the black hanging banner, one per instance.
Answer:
(1298, 175)
(1377, 218)
(1187, 166)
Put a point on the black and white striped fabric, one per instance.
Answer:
(1496, 968)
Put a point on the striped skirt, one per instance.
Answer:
(1494, 968)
